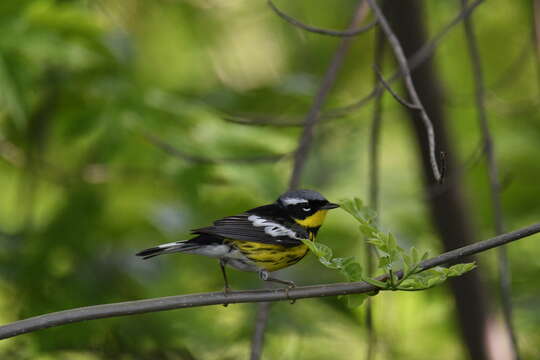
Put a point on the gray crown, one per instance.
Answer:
(299, 196)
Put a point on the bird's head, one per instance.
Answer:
(307, 207)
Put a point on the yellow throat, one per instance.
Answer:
(314, 220)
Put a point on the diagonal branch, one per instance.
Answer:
(387, 86)
(314, 112)
(197, 159)
(249, 296)
(414, 61)
(313, 29)
(402, 61)
(302, 151)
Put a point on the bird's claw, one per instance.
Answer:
(226, 291)
(290, 286)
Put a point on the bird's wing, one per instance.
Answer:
(257, 228)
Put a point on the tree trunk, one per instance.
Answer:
(448, 208)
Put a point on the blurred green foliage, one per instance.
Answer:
(83, 83)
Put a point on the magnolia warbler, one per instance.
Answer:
(263, 239)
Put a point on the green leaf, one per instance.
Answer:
(375, 282)
(392, 243)
(384, 262)
(351, 269)
(460, 269)
(356, 300)
(367, 230)
(311, 245)
(324, 251)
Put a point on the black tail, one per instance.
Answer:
(149, 253)
(177, 246)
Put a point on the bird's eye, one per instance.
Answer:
(306, 209)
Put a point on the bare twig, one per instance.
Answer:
(414, 61)
(494, 185)
(304, 145)
(168, 148)
(387, 86)
(248, 296)
(261, 321)
(313, 115)
(258, 120)
(373, 183)
(452, 179)
(313, 29)
(402, 61)
(536, 38)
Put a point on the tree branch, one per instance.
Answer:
(235, 297)
(414, 61)
(313, 115)
(373, 187)
(395, 95)
(493, 174)
(313, 29)
(259, 120)
(261, 321)
(416, 102)
(171, 150)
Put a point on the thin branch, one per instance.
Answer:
(171, 150)
(302, 151)
(402, 61)
(373, 184)
(313, 115)
(248, 296)
(313, 29)
(493, 172)
(259, 120)
(453, 179)
(261, 321)
(414, 61)
(536, 37)
(387, 86)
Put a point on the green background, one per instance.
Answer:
(84, 84)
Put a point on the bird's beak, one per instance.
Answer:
(329, 206)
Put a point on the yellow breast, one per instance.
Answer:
(271, 257)
(314, 220)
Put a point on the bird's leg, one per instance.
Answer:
(265, 276)
(227, 289)
(222, 263)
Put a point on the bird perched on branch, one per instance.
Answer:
(263, 239)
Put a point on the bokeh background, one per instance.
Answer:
(122, 127)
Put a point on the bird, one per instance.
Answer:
(262, 240)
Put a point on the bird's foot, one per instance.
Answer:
(291, 285)
(226, 291)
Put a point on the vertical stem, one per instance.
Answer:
(493, 174)
(448, 208)
(261, 320)
(404, 68)
(536, 37)
(373, 193)
(302, 151)
(312, 117)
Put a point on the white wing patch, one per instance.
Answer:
(293, 201)
(271, 228)
(168, 245)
